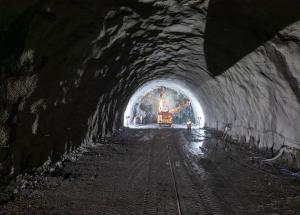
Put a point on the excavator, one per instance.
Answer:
(165, 115)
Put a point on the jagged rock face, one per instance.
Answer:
(69, 68)
(261, 94)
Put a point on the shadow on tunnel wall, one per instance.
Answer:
(234, 28)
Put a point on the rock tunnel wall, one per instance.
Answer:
(259, 96)
(68, 69)
(72, 69)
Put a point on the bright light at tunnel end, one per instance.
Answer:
(168, 83)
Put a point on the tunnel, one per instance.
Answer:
(72, 71)
(196, 114)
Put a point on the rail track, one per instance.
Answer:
(167, 168)
(155, 172)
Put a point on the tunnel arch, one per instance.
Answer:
(84, 73)
(173, 84)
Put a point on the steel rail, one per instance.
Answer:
(174, 184)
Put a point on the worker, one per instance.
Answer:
(226, 130)
(189, 125)
(199, 121)
(127, 118)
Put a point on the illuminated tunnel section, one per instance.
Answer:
(157, 84)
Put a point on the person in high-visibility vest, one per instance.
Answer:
(189, 125)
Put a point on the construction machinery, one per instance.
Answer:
(164, 119)
(165, 115)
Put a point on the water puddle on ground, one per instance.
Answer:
(196, 148)
(195, 141)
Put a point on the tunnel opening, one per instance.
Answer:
(163, 103)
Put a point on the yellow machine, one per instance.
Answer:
(165, 114)
(164, 119)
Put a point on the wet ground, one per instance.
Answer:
(162, 171)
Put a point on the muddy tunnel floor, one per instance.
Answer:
(161, 171)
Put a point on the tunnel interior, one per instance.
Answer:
(168, 95)
(71, 72)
